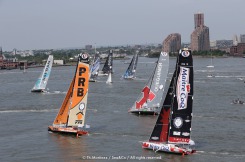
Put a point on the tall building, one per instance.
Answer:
(242, 38)
(199, 20)
(200, 36)
(172, 43)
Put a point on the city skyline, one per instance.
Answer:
(32, 24)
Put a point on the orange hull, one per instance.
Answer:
(67, 130)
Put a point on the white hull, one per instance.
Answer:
(169, 148)
(101, 74)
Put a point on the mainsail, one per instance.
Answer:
(150, 99)
(94, 68)
(160, 131)
(181, 115)
(42, 81)
(71, 116)
(173, 126)
(130, 72)
(108, 64)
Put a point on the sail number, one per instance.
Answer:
(81, 82)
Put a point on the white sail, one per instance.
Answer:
(94, 68)
(109, 80)
(42, 81)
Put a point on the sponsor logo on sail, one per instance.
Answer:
(84, 56)
(185, 53)
(46, 73)
(164, 53)
(155, 138)
(82, 106)
(158, 147)
(79, 118)
(158, 77)
(81, 82)
(186, 134)
(176, 133)
(178, 122)
(183, 88)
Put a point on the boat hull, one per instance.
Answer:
(168, 148)
(144, 112)
(67, 130)
(37, 90)
(91, 80)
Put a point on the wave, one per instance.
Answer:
(14, 72)
(220, 153)
(26, 111)
(229, 76)
(211, 117)
(35, 110)
(54, 92)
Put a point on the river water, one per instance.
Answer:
(217, 128)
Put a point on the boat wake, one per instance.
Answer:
(220, 153)
(35, 111)
(115, 134)
(229, 76)
(210, 117)
(26, 111)
(54, 92)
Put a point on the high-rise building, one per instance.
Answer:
(200, 36)
(242, 38)
(172, 43)
(199, 20)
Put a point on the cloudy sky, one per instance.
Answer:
(51, 24)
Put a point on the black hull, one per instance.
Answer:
(37, 90)
(92, 80)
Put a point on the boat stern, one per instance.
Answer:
(169, 148)
(144, 111)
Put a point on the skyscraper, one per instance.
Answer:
(200, 36)
(242, 38)
(199, 20)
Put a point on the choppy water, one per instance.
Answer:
(218, 126)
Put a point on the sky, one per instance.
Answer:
(54, 24)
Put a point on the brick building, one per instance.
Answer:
(200, 36)
(238, 50)
(172, 43)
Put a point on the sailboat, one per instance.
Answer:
(108, 64)
(130, 72)
(172, 130)
(149, 100)
(94, 68)
(42, 81)
(71, 116)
